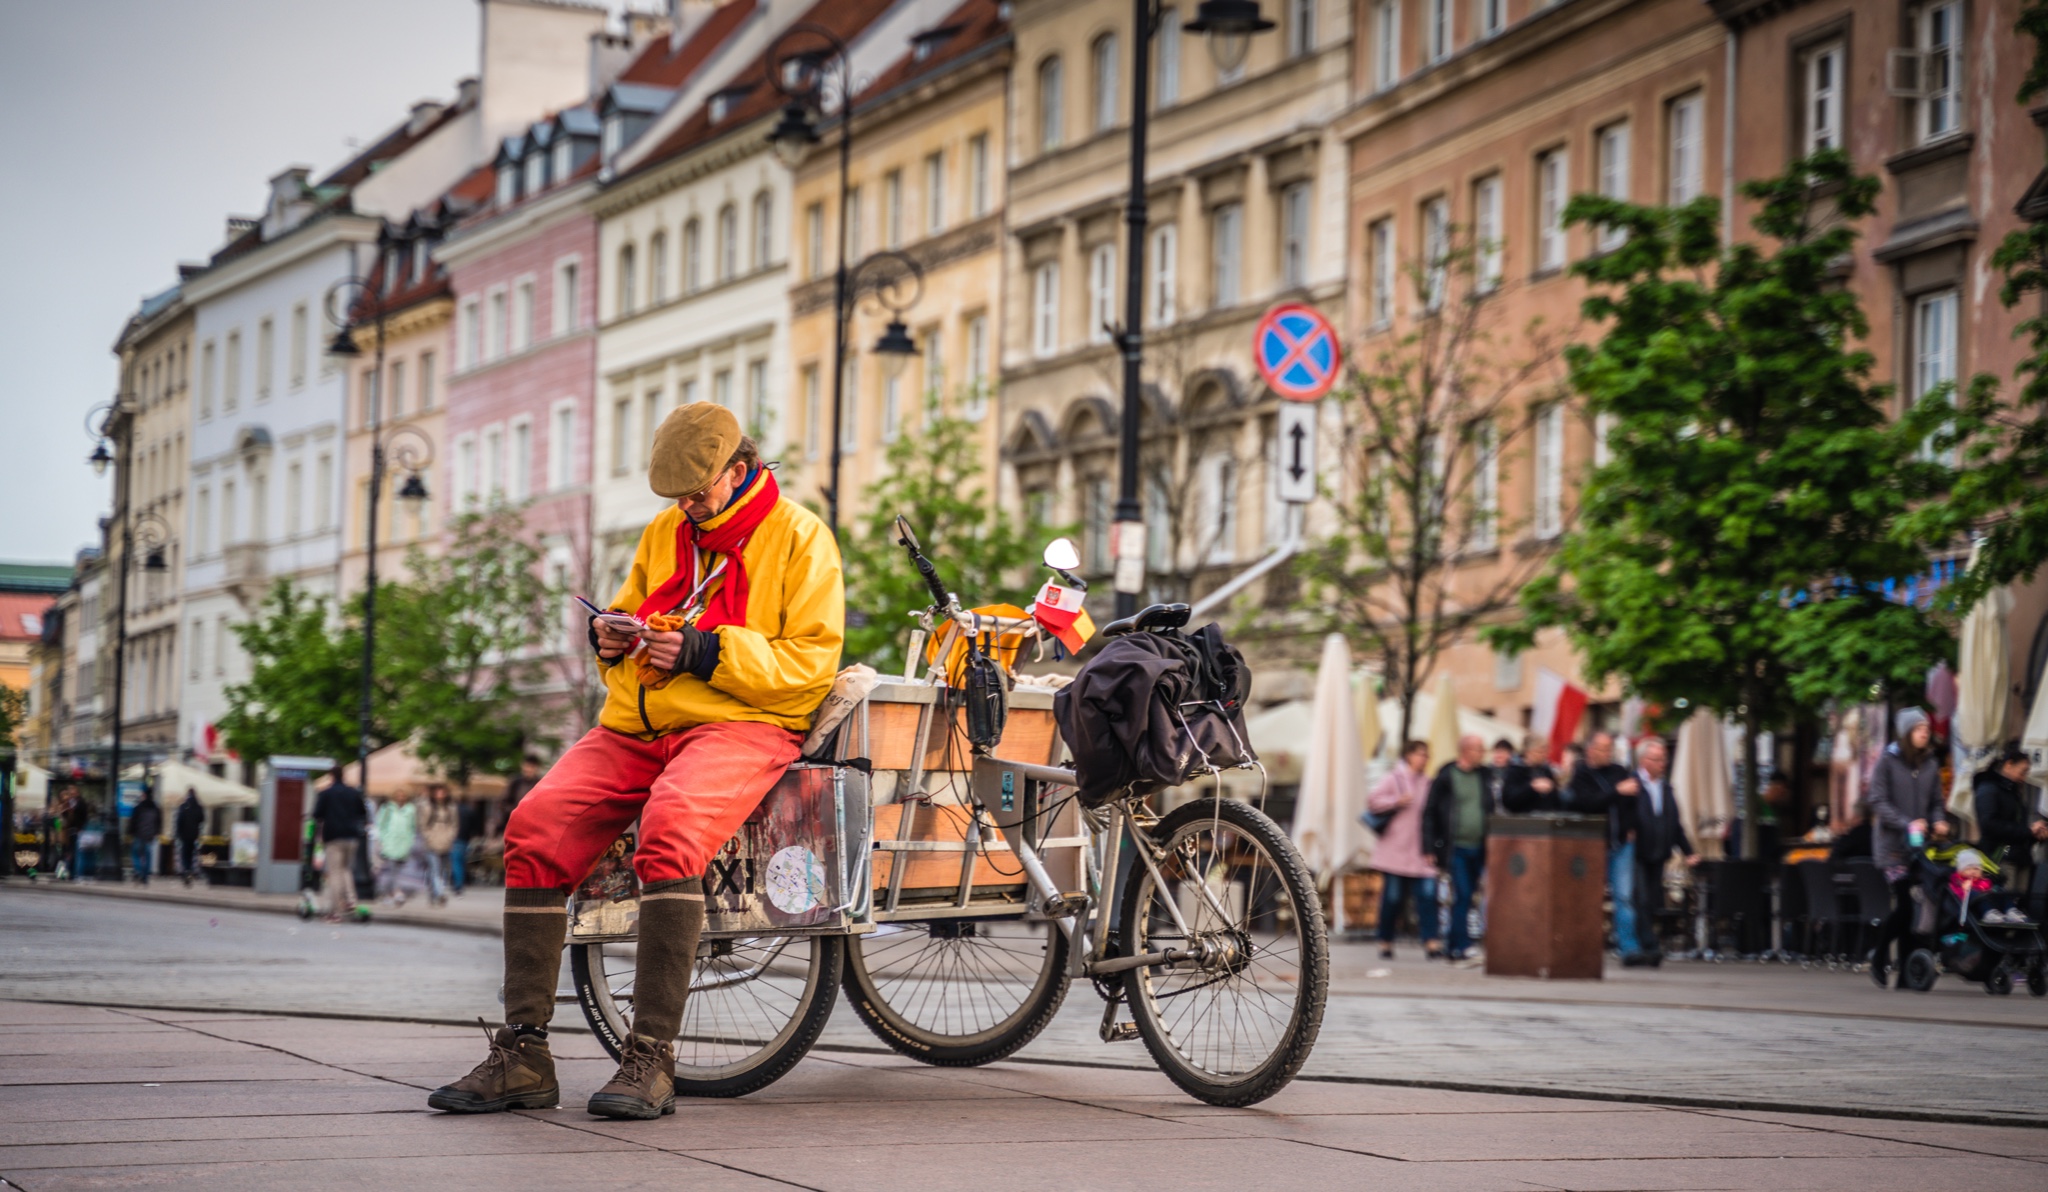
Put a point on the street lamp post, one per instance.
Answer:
(116, 420)
(1229, 25)
(407, 443)
(799, 74)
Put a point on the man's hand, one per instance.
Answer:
(1627, 786)
(1691, 860)
(1942, 829)
(1919, 826)
(611, 644)
(2040, 829)
(1542, 785)
(688, 650)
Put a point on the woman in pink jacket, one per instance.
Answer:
(1407, 871)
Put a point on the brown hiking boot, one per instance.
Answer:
(645, 1086)
(519, 1073)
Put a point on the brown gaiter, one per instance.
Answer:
(671, 921)
(535, 923)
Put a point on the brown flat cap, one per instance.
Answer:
(691, 448)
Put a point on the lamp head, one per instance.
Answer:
(155, 561)
(1229, 25)
(344, 345)
(794, 134)
(100, 458)
(895, 348)
(413, 492)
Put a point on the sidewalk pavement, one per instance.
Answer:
(479, 909)
(99, 1098)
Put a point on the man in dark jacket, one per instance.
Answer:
(343, 818)
(145, 824)
(2007, 828)
(1906, 811)
(1603, 786)
(1659, 833)
(1531, 785)
(1454, 831)
(190, 819)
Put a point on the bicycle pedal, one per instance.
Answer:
(1114, 1031)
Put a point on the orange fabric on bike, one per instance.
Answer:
(690, 790)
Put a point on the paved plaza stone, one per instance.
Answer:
(100, 1098)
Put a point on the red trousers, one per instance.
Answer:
(690, 790)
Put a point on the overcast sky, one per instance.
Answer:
(134, 128)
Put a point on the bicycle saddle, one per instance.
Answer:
(1157, 616)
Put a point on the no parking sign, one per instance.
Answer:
(1296, 350)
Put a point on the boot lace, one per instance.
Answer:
(642, 1059)
(494, 1063)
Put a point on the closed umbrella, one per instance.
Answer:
(1981, 698)
(1332, 794)
(2035, 739)
(1706, 801)
(1443, 723)
(1365, 694)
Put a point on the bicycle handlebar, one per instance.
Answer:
(941, 599)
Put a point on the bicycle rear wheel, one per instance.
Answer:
(957, 992)
(756, 1005)
(1234, 1025)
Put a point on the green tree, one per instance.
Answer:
(2000, 435)
(934, 479)
(13, 713)
(462, 634)
(304, 689)
(1731, 550)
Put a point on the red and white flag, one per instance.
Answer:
(1559, 708)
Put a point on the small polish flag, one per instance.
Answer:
(1058, 610)
(1559, 708)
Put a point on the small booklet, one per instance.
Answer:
(617, 621)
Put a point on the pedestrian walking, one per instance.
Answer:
(343, 818)
(1906, 811)
(190, 818)
(1454, 829)
(1659, 832)
(438, 830)
(1603, 786)
(397, 836)
(1532, 783)
(469, 825)
(145, 825)
(2007, 827)
(1407, 874)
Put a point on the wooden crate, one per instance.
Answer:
(928, 873)
(892, 714)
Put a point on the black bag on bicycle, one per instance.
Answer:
(1151, 710)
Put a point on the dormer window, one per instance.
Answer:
(560, 153)
(925, 44)
(725, 101)
(419, 257)
(614, 134)
(536, 173)
(508, 182)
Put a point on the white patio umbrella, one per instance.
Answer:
(1332, 794)
(2035, 739)
(1443, 724)
(1700, 781)
(31, 787)
(1981, 698)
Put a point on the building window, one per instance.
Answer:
(622, 421)
(1381, 269)
(206, 379)
(323, 493)
(568, 296)
(1096, 523)
(562, 447)
(1294, 216)
(231, 383)
(1102, 61)
(465, 472)
(625, 295)
(977, 366)
(522, 459)
(1821, 112)
(563, 155)
(849, 404)
(1549, 479)
(728, 242)
(1934, 345)
(721, 388)
(934, 194)
(764, 230)
(196, 649)
(1439, 31)
(494, 463)
(1939, 34)
(1045, 309)
(500, 328)
(650, 418)
(1484, 533)
(522, 310)
(1164, 263)
(508, 184)
(1051, 114)
(1386, 44)
(934, 371)
(1611, 150)
(657, 269)
(1101, 292)
(1551, 181)
(294, 498)
(1493, 16)
(536, 165)
(298, 346)
(266, 357)
(814, 422)
(1436, 251)
(1301, 27)
(396, 408)
(1603, 438)
(814, 240)
(202, 522)
(227, 514)
(892, 209)
(757, 395)
(693, 256)
(853, 224)
(892, 401)
(1166, 71)
(1217, 528)
(1688, 149)
(1486, 234)
(1226, 255)
(977, 175)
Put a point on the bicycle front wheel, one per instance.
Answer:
(1234, 1023)
(756, 1005)
(957, 992)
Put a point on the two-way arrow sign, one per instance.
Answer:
(1297, 428)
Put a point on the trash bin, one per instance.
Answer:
(1546, 876)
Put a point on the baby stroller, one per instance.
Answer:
(1974, 936)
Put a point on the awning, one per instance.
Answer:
(394, 769)
(31, 787)
(173, 779)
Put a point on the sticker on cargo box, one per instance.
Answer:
(796, 879)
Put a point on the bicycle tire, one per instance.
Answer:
(802, 1017)
(1153, 995)
(897, 1002)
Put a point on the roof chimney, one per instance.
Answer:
(424, 112)
(466, 92)
(684, 16)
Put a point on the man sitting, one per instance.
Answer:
(740, 591)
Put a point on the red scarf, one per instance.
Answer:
(730, 531)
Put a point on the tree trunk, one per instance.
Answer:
(1407, 719)
(1752, 801)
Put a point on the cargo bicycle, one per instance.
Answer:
(956, 898)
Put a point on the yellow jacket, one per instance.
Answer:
(775, 669)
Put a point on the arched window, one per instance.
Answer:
(625, 280)
(1051, 106)
(657, 269)
(693, 256)
(728, 242)
(1102, 63)
(764, 229)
